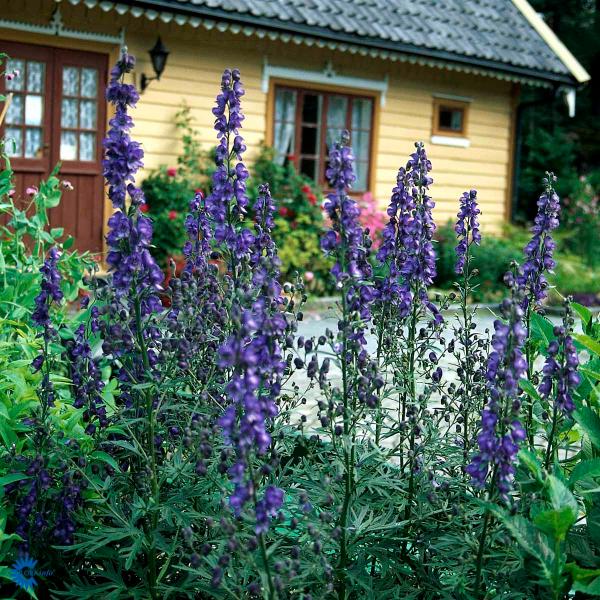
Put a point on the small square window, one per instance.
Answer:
(449, 117)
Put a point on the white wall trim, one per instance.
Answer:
(447, 140)
(453, 97)
(56, 27)
(327, 76)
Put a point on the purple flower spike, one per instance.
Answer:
(467, 228)
(407, 248)
(50, 292)
(539, 251)
(559, 375)
(130, 232)
(501, 430)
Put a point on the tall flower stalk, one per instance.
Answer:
(559, 379)
(468, 234)
(130, 334)
(531, 276)
(494, 464)
(344, 241)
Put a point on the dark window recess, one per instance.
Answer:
(307, 122)
(451, 118)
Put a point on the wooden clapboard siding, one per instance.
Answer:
(193, 74)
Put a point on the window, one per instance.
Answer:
(25, 115)
(307, 122)
(450, 117)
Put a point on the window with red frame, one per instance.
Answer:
(306, 123)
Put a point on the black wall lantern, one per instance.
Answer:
(158, 56)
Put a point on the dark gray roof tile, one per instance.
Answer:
(492, 30)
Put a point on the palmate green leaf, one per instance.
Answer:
(583, 469)
(530, 539)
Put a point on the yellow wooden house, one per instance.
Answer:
(392, 71)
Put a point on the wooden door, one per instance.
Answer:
(58, 114)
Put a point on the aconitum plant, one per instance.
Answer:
(197, 439)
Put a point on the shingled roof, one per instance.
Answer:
(490, 34)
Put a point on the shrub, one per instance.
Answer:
(210, 450)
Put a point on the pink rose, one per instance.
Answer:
(31, 191)
(309, 275)
(67, 185)
(172, 171)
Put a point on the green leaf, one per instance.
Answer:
(589, 421)
(529, 389)
(555, 522)
(583, 469)
(107, 458)
(591, 344)
(529, 459)
(542, 328)
(584, 313)
(530, 539)
(12, 477)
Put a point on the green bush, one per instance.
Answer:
(168, 191)
(492, 259)
(299, 223)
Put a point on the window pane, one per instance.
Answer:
(68, 145)
(284, 140)
(285, 127)
(451, 118)
(87, 141)
(87, 115)
(336, 113)
(17, 66)
(311, 108)
(89, 83)
(308, 167)
(285, 105)
(360, 144)
(68, 113)
(361, 114)
(14, 115)
(14, 145)
(70, 82)
(33, 143)
(309, 142)
(361, 168)
(33, 110)
(35, 76)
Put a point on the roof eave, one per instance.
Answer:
(548, 78)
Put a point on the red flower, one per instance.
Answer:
(172, 215)
(306, 188)
(312, 199)
(199, 191)
(172, 171)
(283, 211)
(291, 157)
(144, 208)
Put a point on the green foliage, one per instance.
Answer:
(492, 259)
(299, 222)
(168, 190)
